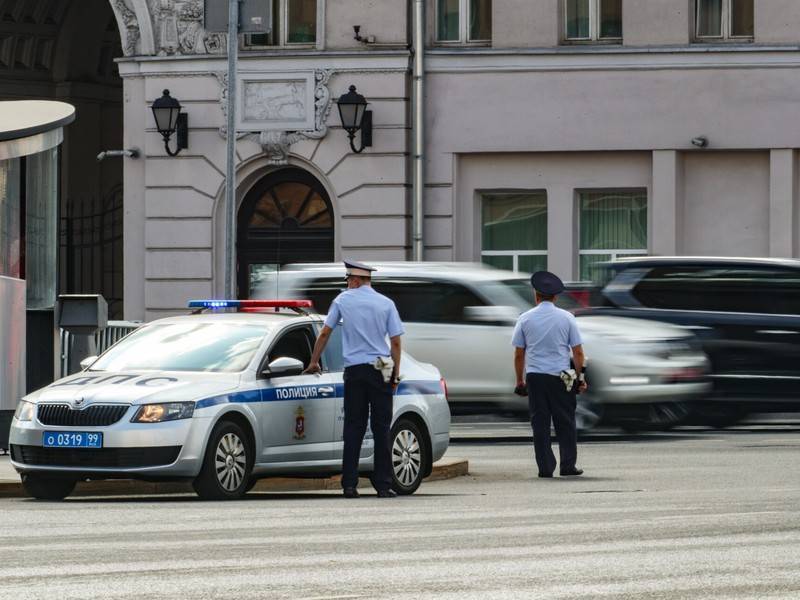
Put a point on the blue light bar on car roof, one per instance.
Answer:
(214, 304)
(251, 305)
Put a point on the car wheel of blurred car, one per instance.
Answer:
(225, 474)
(587, 414)
(660, 416)
(42, 487)
(409, 456)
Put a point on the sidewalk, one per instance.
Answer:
(11, 487)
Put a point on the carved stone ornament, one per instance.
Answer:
(179, 26)
(281, 101)
(131, 25)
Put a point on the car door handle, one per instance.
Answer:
(325, 389)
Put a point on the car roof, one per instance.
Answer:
(460, 271)
(705, 260)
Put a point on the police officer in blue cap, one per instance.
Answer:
(371, 374)
(543, 338)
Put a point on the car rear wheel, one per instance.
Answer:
(225, 474)
(660, 416)
(43, 487)
(587, 414)
(409, 456)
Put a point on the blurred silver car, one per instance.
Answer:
(460, 316)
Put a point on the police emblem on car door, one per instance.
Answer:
(298, 411)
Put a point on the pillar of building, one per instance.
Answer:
(783, 217)
(133, 181)
(666, 205)
(562, 232)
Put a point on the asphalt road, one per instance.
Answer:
(684, 515)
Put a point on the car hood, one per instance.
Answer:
(633, 330)
(135, 387)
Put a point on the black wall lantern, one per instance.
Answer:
(169, 120)
(355, 116)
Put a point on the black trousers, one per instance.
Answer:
(549, 400)
(366, 395)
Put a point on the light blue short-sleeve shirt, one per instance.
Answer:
(547, 333)
(368, 320)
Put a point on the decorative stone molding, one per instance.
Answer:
(128, 25)
(280, 100)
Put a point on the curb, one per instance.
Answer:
(447, 468)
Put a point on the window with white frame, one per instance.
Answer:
(464, 21)
(593, 20)
(514, 230)
(613, 223)
(294, 23)
(717, 20)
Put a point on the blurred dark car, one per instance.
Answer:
(745, 312)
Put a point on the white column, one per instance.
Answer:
(135, 112)
(666, 204)
(783, 234)
(562, 229)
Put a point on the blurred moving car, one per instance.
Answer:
(218, 398)
(744, 311)
(460, 316)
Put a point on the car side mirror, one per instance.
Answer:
(283, 367)
(491, 314)
(87, 362)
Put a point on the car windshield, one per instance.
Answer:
(185, 346)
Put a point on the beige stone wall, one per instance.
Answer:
(656, 22)
(777, 21)
(384, 19)
(525, 24)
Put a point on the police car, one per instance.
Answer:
(217, 397)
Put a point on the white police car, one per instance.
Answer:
(217, 397)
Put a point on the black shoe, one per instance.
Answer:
(387, 494)
(350, 493)
(572, 472)
(545, 475)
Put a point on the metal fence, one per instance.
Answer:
(104, 339)
(91, 248)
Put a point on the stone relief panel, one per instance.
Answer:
(178, 26)
(279, 109)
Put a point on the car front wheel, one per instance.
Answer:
(409, 456)
(43, 487)
(226, 469)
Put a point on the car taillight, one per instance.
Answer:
(443, 383)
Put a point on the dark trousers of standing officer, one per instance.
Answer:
(366, 395)
(548, 399)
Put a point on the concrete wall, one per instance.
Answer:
(656, 22)
(384, 19)
(525, 24)
(727, 206)
(777, 21)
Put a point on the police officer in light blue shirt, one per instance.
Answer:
(543, 339)
(371, 331)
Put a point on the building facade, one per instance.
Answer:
(557, 133)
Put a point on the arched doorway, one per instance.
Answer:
(285, 218)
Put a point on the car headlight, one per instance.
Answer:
(25, 411)
(158, 413)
